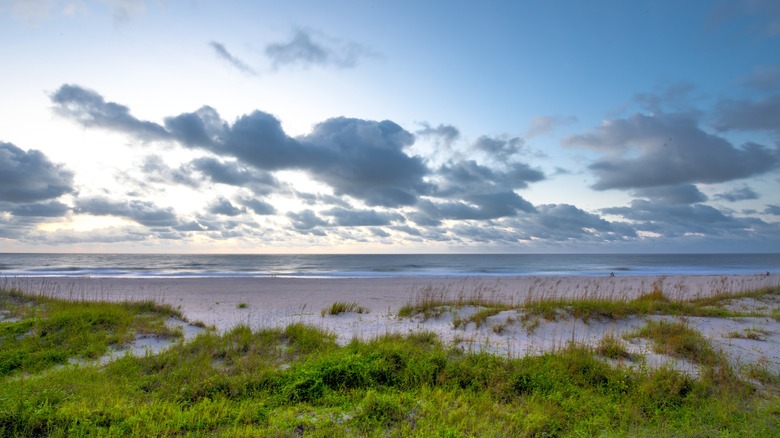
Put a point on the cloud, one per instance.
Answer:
(27, 177)
(447, 133)
(143, 212)
(738, 194)
(366, 160)
(748, 115)
(233, 173)
(668, 149)
(473, 207)
(258, 206)
(772, 209)
(361, 158)
(306, 50)
(684, 220)
(89, 109)
(306, 220)
(674, 194)
(497, 148)
(224, 207)
(561, 222)
(471, 177)
(541, 125)
(763, 77)
(223, 53)
(361, 218)
(38, 209)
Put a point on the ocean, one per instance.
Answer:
(379, 265)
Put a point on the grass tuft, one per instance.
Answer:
(340, 307)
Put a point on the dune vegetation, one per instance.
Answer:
(298, 381)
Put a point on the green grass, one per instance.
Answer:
(340, 307)
(44, 332)
(431, 303)
(298, 381)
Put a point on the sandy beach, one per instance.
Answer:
(269, 302)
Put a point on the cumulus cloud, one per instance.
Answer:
(307, 49)
(468, 176)
(366, 160)
(224, 207)
(668, 149)
(683, 220)
(498, 148)
(674, 194)
(143, 212)
(258, 206)
(37, 209)
(541, 125)
(305, 220)
(447, 133)
(473, 207)
(89, 109)
(772, 209)
(361, 158)
(737, 194)
(234, 174)
(361, 218)
(224, 54)
(749, 115)
(27, 177)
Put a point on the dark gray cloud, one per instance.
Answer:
(27, 177)
(143, 212)
(225, 55)
(564, 222)
(224, 207)
(763, 77)
(772, 209)
(258, 206)
(474, 207)
(748, 115)
(684, 220)
(202, 128)
(361, 218)
(366, 160)
(667, 149)
(306, 49)
(675, 194)
(737, 194)
(306, 220)
(89, 109)
(469, 177)
(37, 209)
(234, 174)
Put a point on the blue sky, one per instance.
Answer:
(347, 126)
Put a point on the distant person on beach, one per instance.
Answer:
(611, 274)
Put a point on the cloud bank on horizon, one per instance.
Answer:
(190, 129)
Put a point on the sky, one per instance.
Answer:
(523, 126)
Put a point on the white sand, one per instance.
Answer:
(269, 302)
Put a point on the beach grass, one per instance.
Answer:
(429, 303)
(298, 381)
(340, 307)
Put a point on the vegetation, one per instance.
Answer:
(342, 307)
(298, 381)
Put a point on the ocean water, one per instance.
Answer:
(375, 265)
